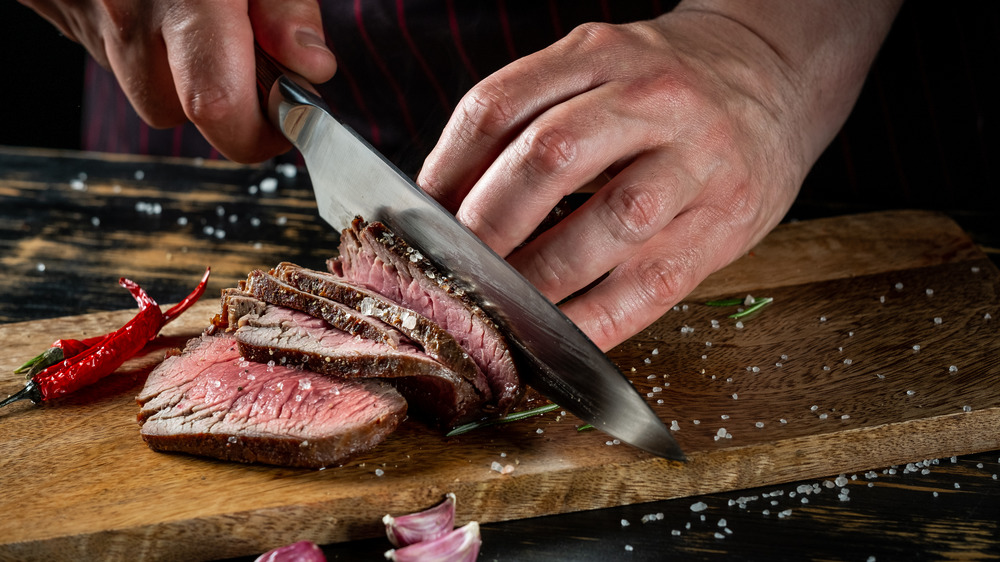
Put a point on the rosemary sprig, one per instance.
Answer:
(757, 305)
(514, 416)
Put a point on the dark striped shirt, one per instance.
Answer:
(402, 66)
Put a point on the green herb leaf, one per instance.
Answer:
(511, 417)
(757, 305)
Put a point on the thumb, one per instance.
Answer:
(291, 31)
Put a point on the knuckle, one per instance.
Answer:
(549, 272)
(663, 281)
(633, 213)
(549, 149)
(208, 104)
(486, 110)
(594, 34)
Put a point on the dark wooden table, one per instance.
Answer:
(71, 224)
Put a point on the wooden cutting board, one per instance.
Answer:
(829, 379)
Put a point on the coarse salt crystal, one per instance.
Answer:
(898, 286)
(625, 523)
(674, 426)
(699, 506)
(268, 185)
(952, 369)
(628, 548)
(966, 408)
(735, 396)
(759, 424)
(739, 325)
(379, 472)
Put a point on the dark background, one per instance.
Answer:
(924, 133)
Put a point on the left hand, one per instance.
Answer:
(705, 130)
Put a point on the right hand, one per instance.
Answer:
(194, 60)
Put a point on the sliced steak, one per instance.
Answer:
(435, 341)
(287, 337)
(375, 258)
(272, 290)
(209, 401)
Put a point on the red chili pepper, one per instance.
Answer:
(105, 353)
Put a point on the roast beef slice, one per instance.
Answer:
(209, 401)
(288, 337)
(373, 257)
(434, 340)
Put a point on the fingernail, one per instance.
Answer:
(308, 37)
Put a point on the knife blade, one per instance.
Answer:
(351, 178)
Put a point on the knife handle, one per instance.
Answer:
(268, 72)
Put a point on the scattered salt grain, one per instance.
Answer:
(845, 417)
(848, 361)
(719, 535)
(935, 494)
(724, 416)
(379, 472)
(539, 431)
(813, 407)
(739, 325)
(823, 416)
(910, 393)
(822, 318)
(287, 170)
(656, 351)
(975, 269)
(182, 221)
(40, 267)
(938, 320)
(966, 408)
(957, 486)
(675, 532)
(899, 286)
(268, 185)
(881, 300)
(628, 548)
(699, 506)
(916, 348)
(952, 369)
(759, 424)
(625, 523)
(674, 426)
(282, 220)
(696, 422)
(736, 396)
(930, 292)
(783, 420)
(785, 513)
(139, 175)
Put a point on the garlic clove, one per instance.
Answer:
(421, 526)
(460, 545)
(302, 551)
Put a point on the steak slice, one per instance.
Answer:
(209, 401)
(435, 341)
(287, 337)
(375, 258)
(272, 290)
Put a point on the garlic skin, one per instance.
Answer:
(460, 545)
(302, 551)
(422, 526)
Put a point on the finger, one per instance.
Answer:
(668, 267)
(292, 32)
(555, 155)
(137, 56)
(610, 228)
(210, 49)
(495, 111)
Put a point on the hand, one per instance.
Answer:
(705, 124)
(193, 60)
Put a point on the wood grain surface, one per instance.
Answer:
(87, 487)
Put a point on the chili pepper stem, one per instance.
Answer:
(29, 392)
(40, 362)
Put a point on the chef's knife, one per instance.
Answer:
(351, 178)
